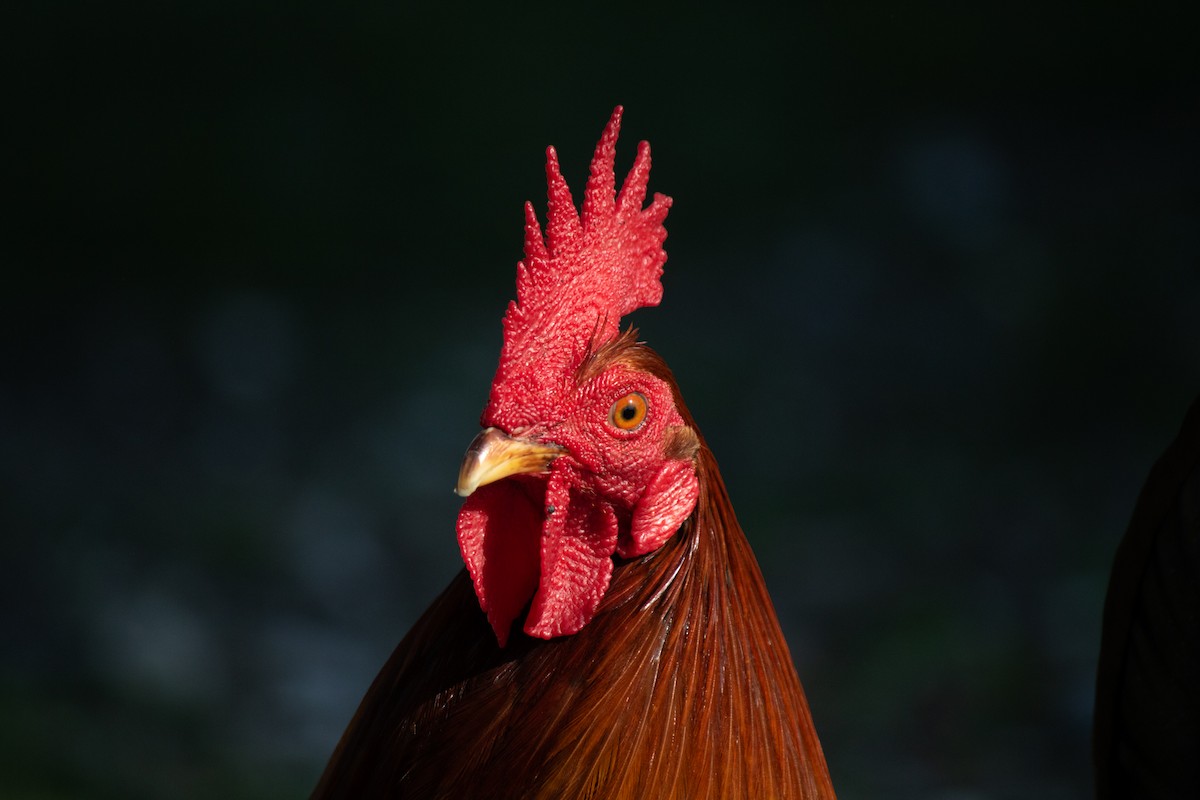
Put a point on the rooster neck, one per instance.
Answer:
(688, 683)
(681, 687)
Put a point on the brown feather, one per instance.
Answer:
(680, 687)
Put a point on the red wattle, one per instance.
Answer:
(499, 530)
(576, 559)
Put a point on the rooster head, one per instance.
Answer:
(586, 451)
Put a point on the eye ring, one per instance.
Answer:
(629, 412)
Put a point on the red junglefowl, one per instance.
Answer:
(1146, 730)
(646, 660)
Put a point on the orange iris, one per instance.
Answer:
(628, 412)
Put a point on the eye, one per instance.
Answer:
(628, 412)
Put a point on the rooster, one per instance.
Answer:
(611, 635)
(1146, 728)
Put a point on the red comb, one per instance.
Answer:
(578, 280)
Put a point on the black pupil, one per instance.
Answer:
(629, 411)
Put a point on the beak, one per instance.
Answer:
(494, 454)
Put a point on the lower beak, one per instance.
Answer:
(493, 455)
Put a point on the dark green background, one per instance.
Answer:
(932, 295)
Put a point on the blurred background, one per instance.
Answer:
(932, 296)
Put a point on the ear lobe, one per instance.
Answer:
(668, 500)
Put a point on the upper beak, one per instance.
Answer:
(493, 455)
